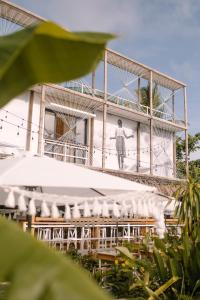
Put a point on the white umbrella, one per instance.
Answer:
(76, 184)
(28, 170)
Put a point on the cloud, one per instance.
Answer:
(114, 15)
(162, 34)
(149, 19)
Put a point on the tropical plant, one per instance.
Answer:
(30, 270)
(118, 280)
(193, 145)
(172, 269)
(171, 272)
(87, 261)
(194, 169)
(46, 53)
(188, 208)
(144, 94)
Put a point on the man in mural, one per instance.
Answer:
(120, 136)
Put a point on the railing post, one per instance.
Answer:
(65, 152)
(129, 232)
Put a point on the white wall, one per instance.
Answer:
(130, 144)
(98, 133)
(17, 115)
(162, 145)
(35, 122)
(162, 152)
(162, 139)
(144, 149)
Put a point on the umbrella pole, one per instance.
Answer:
(29, 222)
(29, 217)
(117, 232)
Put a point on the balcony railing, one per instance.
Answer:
(87, 237)
(66, 151)
(134, 105)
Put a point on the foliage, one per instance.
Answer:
(87, 261)
(118, 279)
(171, 271)
(188, 208)
(144, 94)
(35, 272)
(193, 145)
(194, 169)
(46, 53)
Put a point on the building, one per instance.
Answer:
(123, 118)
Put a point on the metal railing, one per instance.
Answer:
(66, 151)
(84, 89)
(82, 237)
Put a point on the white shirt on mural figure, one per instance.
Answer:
(120, 136)
(120, 132)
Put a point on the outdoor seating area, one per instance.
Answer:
(95, 234)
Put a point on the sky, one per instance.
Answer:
(164, 35)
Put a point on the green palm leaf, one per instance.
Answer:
(46, 53)
(163, 288)
(35, 272)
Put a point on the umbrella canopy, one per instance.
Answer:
(75, 183)
(29, 170)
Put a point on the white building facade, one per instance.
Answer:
(99, 121)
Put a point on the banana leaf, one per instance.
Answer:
(46, 53)
(125, 252)
(33, 271)
(162, 270)
(163, 288)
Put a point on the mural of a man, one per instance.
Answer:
(120, 136)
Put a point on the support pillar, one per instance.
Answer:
(104, 109)
(93, 83)
(186, 134)
(139, 91)
(41, 122)
(151, 122)
(29, 121)
(91, 140)
(138, 147)
(174, 136)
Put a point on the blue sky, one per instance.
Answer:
(162, 34)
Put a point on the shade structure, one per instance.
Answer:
(32, 170)
(77, 187)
